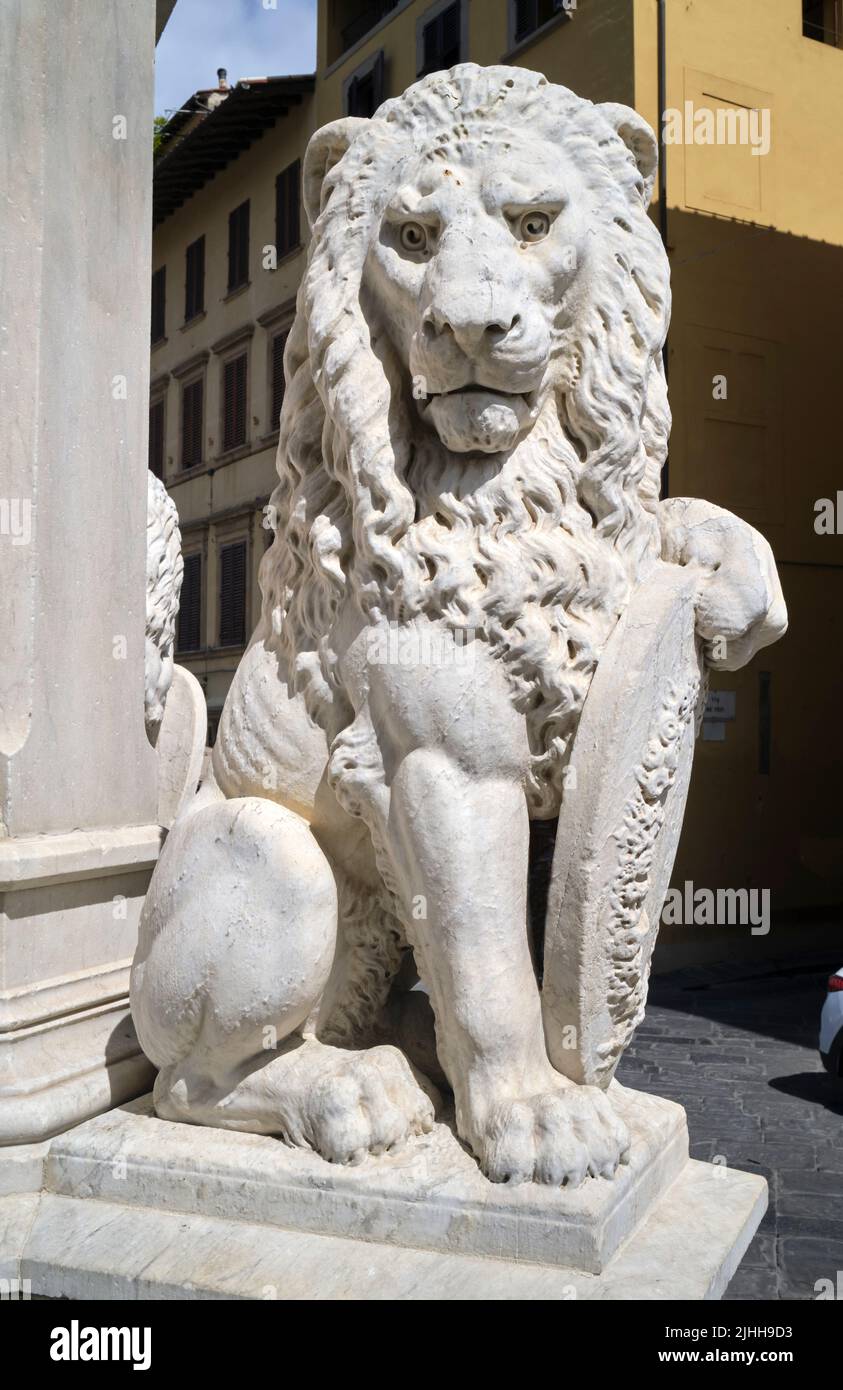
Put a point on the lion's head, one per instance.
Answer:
(475, 417)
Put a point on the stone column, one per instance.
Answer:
(78, 831)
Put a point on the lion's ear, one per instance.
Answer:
(326, 148)
(639, 140)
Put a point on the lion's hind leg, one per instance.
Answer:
(237, 942)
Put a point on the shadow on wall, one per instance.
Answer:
(754, 370)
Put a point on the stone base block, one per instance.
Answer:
(136, 1207)
(69, 910)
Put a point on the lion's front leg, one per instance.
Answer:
(436, 764)
(462, 843)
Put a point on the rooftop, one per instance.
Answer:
(205, 135)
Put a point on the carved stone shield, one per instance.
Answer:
(619, 827)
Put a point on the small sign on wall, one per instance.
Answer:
(720, 709)
(720, 704)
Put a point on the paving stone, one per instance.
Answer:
(820, 1224)
(805, 1204)
(734, 1071)
(804, 1260)
(726, 1059)
(801, 1180)
(752, 1284)
(761, 1253)
(737, 1046)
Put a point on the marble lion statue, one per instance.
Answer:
(470, 450)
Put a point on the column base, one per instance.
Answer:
(69, 910)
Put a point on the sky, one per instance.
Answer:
(250, 38)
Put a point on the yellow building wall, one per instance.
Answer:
(757, 267)
(591, 53)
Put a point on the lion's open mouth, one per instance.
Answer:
(476, 388)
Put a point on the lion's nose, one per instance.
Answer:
(471, 331)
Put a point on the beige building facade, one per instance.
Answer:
(753, 222)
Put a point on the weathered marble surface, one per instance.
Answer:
(429, 1194)
(78, 828)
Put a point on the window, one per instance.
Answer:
(194, 279)
(287, 210)
(159, 301)
(156, 437)
(364, 90)
(356, 17)
(189, 635)
(234, 378)
(440, 40)
(192, 411)
(238, 246)
(823, 20)
(276, 375)
(233, 594)
(530, 15)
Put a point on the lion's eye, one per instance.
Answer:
(414, 236)
(533, 226)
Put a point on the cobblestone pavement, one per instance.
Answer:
(737, 1046)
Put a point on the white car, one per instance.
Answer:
(831, 1026)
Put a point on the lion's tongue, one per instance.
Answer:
(470, 420)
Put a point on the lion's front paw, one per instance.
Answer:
(367, 1103)
(558, 1138)
(740, 606)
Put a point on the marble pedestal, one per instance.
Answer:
(79, 834)
(130, 1206)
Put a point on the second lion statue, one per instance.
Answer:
(470, 449)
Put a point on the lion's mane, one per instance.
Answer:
(164, 569)
(535, 552)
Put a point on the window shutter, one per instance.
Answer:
(378, 82)
(190, 605)
(194, 280)
(450, 50)
(293, 181)
(431, 35)
(279, 342)
(191, 424)
(238, 246)
(233, 594)
(156, 438)
(287, 217)
(441, 40)
(525, 17)
(365, 94)
(159, 301)
(234, 402)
